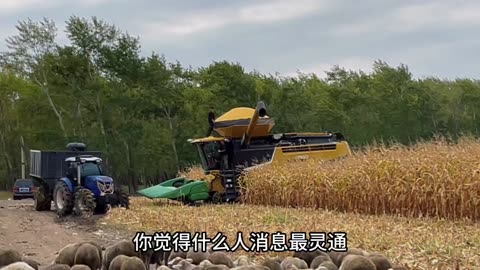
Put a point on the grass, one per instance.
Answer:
(422, 243)
(5, 195)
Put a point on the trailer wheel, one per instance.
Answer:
(41, 201)
(84, 202)
(63, 199)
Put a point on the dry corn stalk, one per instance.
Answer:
(429, 179)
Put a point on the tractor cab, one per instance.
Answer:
(83, 166)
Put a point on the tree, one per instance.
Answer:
(141, 110)
(31, 53)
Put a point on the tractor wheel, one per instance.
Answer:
(63, 199)
(84, 202)
(101, 208)
(41, 201)
(122, 199)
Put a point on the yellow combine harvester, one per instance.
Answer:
(244, 142)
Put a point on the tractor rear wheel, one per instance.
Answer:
(41, 200)
(63, 199)
(101, 208)
(121, 199)
(84, 202)
(124, 200)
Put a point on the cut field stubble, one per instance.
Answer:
(420, 243)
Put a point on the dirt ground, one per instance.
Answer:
(40, 235)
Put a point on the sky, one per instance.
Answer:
(433, 38)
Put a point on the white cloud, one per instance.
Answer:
(271, 11)
(466, 15)
(8, 7)
(320, 69)
(12, 5)
(419, 59)
(6, 32)
(333, 33)
(417, 17)
(185, 25)
(91, 3)
(279, 10)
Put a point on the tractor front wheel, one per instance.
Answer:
(63, 198)
(84, 202)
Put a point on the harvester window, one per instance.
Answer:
(202, 156)
(211, 154)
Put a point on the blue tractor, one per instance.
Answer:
(75, 181)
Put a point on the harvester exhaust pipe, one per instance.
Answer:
(260, 111)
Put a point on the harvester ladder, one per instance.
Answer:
(230, 184)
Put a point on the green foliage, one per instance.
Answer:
(140, 111)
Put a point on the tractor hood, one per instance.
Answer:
(99, 178)
(99, 184)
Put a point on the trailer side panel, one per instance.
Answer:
(51, 164)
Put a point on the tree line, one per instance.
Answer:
(140, 110)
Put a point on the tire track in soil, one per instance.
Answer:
(40, 235)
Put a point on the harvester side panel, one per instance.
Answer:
(253, 154)
(315, 140)
(261, 149)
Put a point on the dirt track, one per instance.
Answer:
(40, 235)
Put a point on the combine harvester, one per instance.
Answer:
(244, 144)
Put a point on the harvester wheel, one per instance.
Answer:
(84, 202)
(217, 197)
(41, 201)
(63, 199)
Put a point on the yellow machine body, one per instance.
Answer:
(243, 141)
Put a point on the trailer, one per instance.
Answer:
(75, 180)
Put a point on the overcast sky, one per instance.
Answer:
(434, 38)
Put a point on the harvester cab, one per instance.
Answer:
(244, 143)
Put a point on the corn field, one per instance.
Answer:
(434, 179)
(429, 179)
